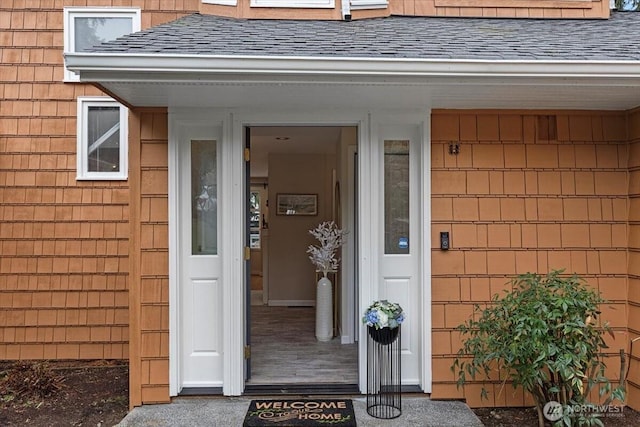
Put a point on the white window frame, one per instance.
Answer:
(368, 4)
(83, 173)
(224, 2)
(70, 13)
(317, 4)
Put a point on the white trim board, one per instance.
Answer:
(232, 234)
(152, 63)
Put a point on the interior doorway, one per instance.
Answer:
(314, 162)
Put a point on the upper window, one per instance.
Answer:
(87, 27)
(102, 139)
(294, 3)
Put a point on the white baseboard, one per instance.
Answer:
(345, 339)
(292, 302)
(256, 297)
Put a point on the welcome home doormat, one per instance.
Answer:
(300, 413)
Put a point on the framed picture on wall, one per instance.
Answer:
(297, 204)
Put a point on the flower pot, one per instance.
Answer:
(384, 335)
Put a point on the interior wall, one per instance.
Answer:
(291, 274)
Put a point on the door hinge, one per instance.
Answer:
(247, 253)
(247, 155)
(247, 351)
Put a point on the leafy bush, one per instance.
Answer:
(542, 335)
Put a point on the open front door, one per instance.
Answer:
(247, 252)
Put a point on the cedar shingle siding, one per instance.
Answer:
(64, 244)
(529, 192)
(84, 264)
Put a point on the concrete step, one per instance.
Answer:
(230, 412)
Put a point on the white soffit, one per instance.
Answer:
(179, 80)
(271, 96)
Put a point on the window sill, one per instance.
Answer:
(102, 178)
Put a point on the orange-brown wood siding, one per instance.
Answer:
(84, 274)
(503, 8)
(633, 385)
(149, 294)
(64, 244)
(529, 192)
(569, 9)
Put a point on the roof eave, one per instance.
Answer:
(112, 67)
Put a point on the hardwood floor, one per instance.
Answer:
(284, 350)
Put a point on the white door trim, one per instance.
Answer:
(233, 191)
(425, 180)
(174, 260)
(295, 118)
(368, 260)
(232, 234)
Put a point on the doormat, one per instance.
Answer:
(300, 413)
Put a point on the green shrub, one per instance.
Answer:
(545, 336)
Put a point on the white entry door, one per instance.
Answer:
(399, 235)
(199, 282)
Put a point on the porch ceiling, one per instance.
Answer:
(502, 93)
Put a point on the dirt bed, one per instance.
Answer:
(528, 417)
(73, 393)
(95, 393)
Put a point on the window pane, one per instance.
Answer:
(204, 194)
(91, 32)
(396, 197)
(103, 139)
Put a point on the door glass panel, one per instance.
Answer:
(204, 197)
(396, 197)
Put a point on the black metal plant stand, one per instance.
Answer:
(383, 373)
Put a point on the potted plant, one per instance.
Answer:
(383, 320)
(330, 238)
(325, 261)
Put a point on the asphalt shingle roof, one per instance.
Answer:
(394, 37)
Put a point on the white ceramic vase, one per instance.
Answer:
(324, 310)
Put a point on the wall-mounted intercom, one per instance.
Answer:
(444, 240)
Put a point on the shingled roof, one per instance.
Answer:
(614, 39)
